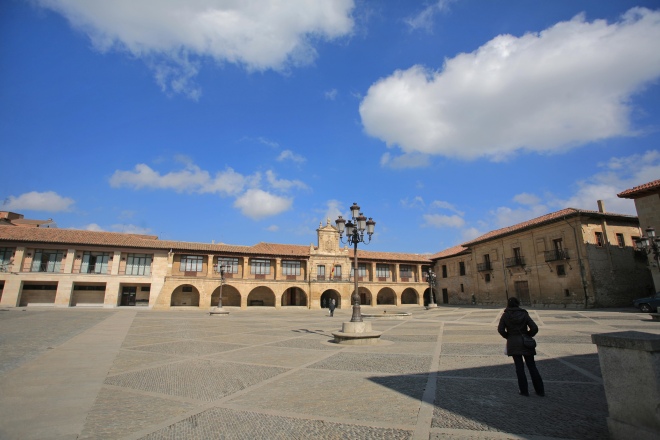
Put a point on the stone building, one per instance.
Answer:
(647, 203)
(569, 258)
(64, 268)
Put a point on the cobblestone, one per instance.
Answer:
(381, 363)
(237, 425)
(128, 360)
(409, 338)
(305, 343)
(188, 348)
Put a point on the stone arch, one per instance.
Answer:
(261, 295)
(294, 296)
(410, 296)
(365, 297)
(231, 297)
(386, 296)
(427, 297)
(185, 295)
(328, 295)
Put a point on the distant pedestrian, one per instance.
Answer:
(332, 307)
(323, 303)
(513, 325)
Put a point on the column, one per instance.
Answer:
(111, 298)
(11, 292)
(116, 258)
(18, 259)
(373, 275)
(419, 274)
(278, 265)
(170, 263)
(63, 293)
(395, 275)
(68, 262)
(209, 267)
(245, 275)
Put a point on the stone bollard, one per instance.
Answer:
(630, 363)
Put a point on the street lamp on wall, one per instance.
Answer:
(355, 234)
(650, 244)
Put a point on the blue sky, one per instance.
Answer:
(442, 120)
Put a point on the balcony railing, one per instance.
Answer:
(515, 261)
(556, 254)
(484, 267)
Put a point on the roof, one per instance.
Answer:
(451, 252)
(390, 256)
(641, 190)
(28, 222)
(548, 218)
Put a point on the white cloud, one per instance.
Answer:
(283, 184)
(568, 85)
(127, 214)
(331, 94)
(424, 19)
(470, 234)
(333, 211)
(93, 227)
(288, 154)
(417, 202)
(413, 160)
(267, 142)
(130, 229)
(420, 184)
(440, 221)
(505, 216)
(272, 228)
(257, 204)
(35, 201)
(190, 179)
(174, 36)
(446, 205)
(526, 199)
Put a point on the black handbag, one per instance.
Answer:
(528, 341)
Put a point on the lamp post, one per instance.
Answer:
(221, 267)
(430, 277)
(355, 235)
(649, 244)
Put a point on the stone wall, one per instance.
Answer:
(648, 210)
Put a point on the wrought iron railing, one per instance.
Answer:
(484, 267)
(515, 261)
(556, 254)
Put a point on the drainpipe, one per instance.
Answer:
(577, 249)
(506, 284)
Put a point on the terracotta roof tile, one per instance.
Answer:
(553, 216)
(456, 250)
(391, 256)
(25, 221)
(640, 190)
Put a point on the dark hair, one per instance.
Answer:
(513, 302)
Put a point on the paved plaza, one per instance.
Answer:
(265, 373)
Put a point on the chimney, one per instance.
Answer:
(601, 206)
(212, 241)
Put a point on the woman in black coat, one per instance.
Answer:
(513, 324)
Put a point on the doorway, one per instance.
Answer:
(445, 296)
(128, 295)
(522, 291)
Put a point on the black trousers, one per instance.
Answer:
(522, 379)
(332, 312)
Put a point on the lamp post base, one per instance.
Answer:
(357, 333)
(218, 311)
(431, 306)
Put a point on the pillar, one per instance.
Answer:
(11, 292)
(18, 259)
(278, 265)
(395, 275)
(116, 258)
(209, 272)
(63, 293)
(170, 264)
(111, 298)
(373, 275)
(68, 262)
(245, 275)
(419, 274)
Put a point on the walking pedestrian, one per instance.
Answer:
(513, 324)
(332, 307)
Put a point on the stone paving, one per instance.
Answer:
(261, 373)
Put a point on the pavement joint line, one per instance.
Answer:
(154, 394)
(538, 317)
(576, 368)
(427, 405)
(590, 319)
(487, 435)
(514, 379)
(322, 418)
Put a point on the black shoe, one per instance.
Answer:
(540, 394)
(523, 394)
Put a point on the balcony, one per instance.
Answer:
(515, 261)
(556, 254)
(484, 267)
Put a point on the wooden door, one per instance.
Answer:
(522, 292)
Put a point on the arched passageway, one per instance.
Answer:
(231, 297)
(386, 296)
(185, 295)
(261, 296)
(328, 295)
(294, 296)
(409, 296)
(427, 297)
(365, 296)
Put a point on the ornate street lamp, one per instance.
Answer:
(218, 309)
(650, 244)
(355, 235)
(430, 277)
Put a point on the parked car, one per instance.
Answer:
(648, 305)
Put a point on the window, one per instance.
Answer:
(558, 244)
(444, 271)
(192, 263)
(40, 287)
(145, 288)
(620, 241)
(337, 273)
(382, 270)
(487, 259)
(95, 262)
(6, 255)
(362, 270)
(634, 238)
(47, 260)
(260, 267)
(462, 289)
(461, 268)
(138, 264)
(96, 288)
(290, 267)
(567, 292)
(561, 270)
(320, 271)
(599, 239)
(405, 271)
(186, 288)
(517, 253)
(487, 277)
(230, 265)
